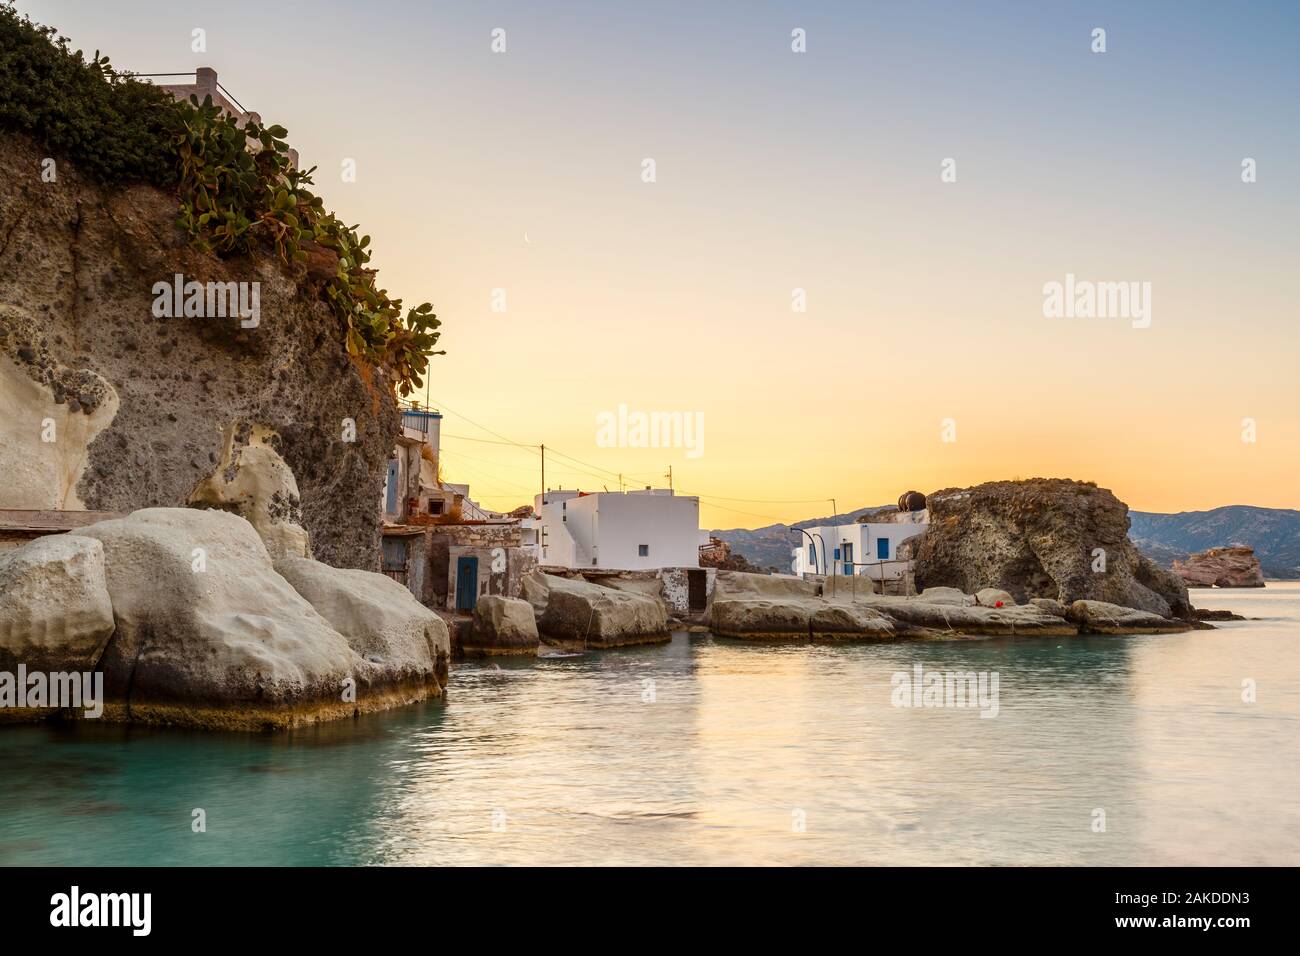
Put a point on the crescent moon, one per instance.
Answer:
(527, 241)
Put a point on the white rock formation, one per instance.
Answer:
(43, 443)
(253, 481)
(55, 612)
(208, 633)
(381, 620)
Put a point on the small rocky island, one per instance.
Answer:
(1231, 567)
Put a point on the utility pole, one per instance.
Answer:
(543, 474)
(669, 476)
(834, 510)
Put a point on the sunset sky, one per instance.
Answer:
(821, 170)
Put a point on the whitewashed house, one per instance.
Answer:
(866, 548)
(412, 485)
(625, 531)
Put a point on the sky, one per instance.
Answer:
(922, 357)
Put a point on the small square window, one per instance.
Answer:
(643, 550)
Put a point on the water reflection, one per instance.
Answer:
(709, 751)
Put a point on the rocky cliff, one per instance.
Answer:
(1042, 538)
(106, 406)
(1233, 567)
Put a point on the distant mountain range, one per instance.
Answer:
(770, 547)
(1274, 533)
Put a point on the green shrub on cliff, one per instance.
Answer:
(111, 126)
(235, 183)
(238, 188)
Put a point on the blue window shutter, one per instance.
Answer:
(837, 554)
(391, 504)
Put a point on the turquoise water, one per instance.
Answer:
(745, 755)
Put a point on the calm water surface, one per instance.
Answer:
(563, 761)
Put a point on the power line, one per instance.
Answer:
(489, 441)
(508, 441)
(751, 514)
(535, 449)
(770, 501)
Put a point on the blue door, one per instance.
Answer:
(882, 548)
(391, 506)
(466, 583)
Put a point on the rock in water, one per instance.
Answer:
(851, 622)
(762, 618)
(1043, 537)
(379, 618)
(1100, 617)
(209, 635)
(974, 620)
(594, 615)
(1231, 567)
(55, 613)
(502, 625)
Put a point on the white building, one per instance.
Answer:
(867, 548)
(413, 485)
(625, 531)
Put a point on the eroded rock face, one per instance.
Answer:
(55, 613)
(208, 634)
(1044, 537)
(502, 625)
(576, 611)
(46, 433)
(253, 481)
(149, 396)
(1231, 567)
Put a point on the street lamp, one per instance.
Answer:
(813, 544)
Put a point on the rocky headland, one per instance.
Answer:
(1043, 538)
